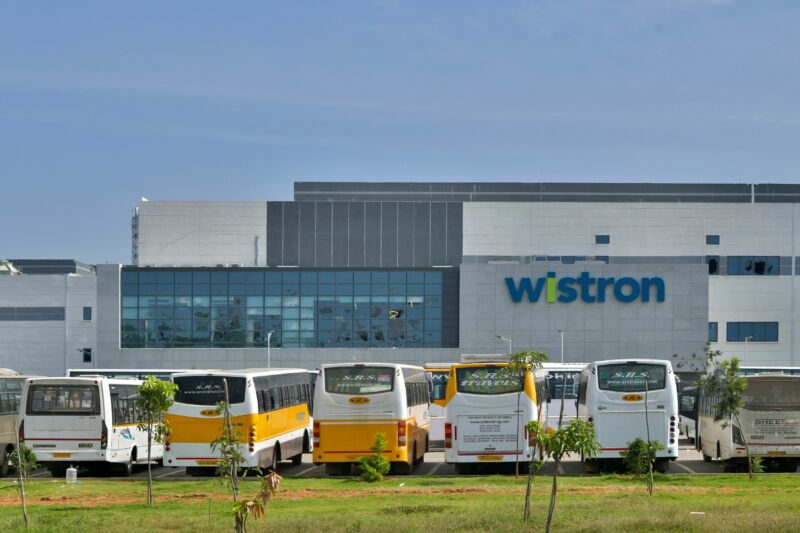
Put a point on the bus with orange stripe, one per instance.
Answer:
(354, 402)
(487, 408)
(270, 412)
(86, 421)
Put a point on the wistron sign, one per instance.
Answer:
(590, 289)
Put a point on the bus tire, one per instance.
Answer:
(719, 451)
(401, 468)
(5, 466)
(464, 469)
(591, 466)
(306, 443)
(297, 459)
(126, 469)
(421, 459)
(198, 471)
(57, 471)
(337, 469)
(662, 466)
(276, 456)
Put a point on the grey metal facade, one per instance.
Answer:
(326, 234)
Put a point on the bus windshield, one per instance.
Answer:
(209, 390)
(630, 377)
(773, 394)
(359, 379)
(487, 380)
(555, 385)
(439, 384)
(63, 400)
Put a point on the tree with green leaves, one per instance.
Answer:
(576, 437)
(374, 467)
(725, 385)
(230, 456)
(521, 362)
(154, 398)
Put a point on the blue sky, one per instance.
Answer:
(103, 102)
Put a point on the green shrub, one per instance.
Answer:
(640, 456)
(23, 460)
(374, 467)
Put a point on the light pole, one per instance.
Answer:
(506, 339)
(562, 345)
(746, 340)
(269, 346)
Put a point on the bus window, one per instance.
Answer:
(630, 377)
(771, 395)
(63, 400)
(438, 384)
(208, 390)
(555, 383)
(359, 380)
(487, 380)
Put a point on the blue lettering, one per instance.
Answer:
(586, 282)
(602, 283)
(630, 297)
(525, 287)
(658, 283)
(568, 292)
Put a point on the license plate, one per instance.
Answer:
(62, 455)
(207, 462)
(490, 458)
(776, 454)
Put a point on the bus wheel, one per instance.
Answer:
(401, 468)
(297, 459)
(126, 469)
(591, 466)
(464, 468)
(337, 469)
(276, 456)
(421, 459)
(6, 464)
(57, 471)
(662, 466)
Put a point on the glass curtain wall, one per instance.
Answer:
(237, 308)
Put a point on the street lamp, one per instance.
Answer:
(269, 346)
(746, 340)
(562, 345)
(506, 339)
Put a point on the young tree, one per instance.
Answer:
(726, 386)
(576, 437)
(230, 456)
(24, 464)
(374, 467)
(154, 399)
(528, 361)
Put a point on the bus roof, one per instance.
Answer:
(84, 379)
(484, 358)
(564, 366)
(7, 372)
(244, 372)
(438, 367)
(631, 360)
(387, 365)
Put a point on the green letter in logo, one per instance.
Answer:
(551, 287)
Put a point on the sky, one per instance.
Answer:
(104, 102)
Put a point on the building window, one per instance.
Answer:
(712, 239)
(753, 265)
(712, 332)
(87, 313)
(87, 355)
(602, 239)
(303, 309)
(713, 264)
(752, 331)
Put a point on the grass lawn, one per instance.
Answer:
(492, 503)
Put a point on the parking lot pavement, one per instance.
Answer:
(689, 462)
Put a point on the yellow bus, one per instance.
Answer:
(270, 411)
(353, 402)
(486, 411)
(438, 374)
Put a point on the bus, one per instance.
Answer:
(164, 374)
(11, 384)
(687, 409)
(614, 396)
(769, 421)
(270, 410)
(556, 374)
(438, 374)
(487, 410)
(354, 402)
(86, 421)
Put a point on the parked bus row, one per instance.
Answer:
(475, 411)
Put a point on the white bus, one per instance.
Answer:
(86, 421)
(770, 422)
(614, 395)
(353, 402)
(270, 409)
(164, 374)
(487, 410)
(556, 375)
(438, 374)
(11, 384)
